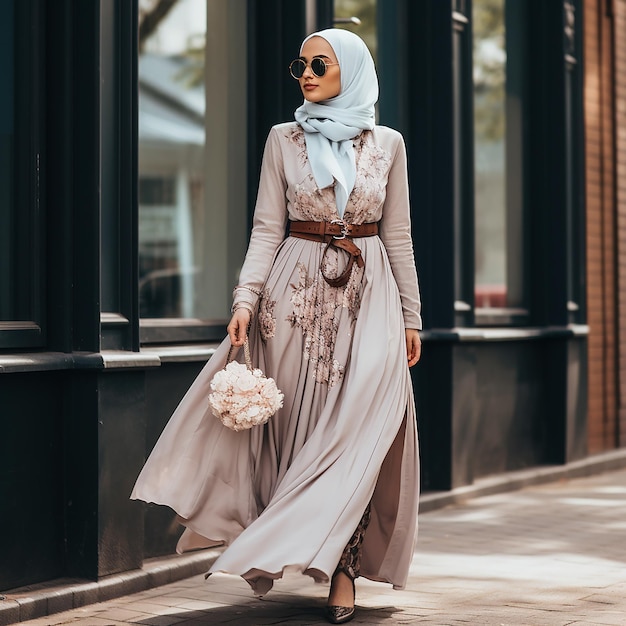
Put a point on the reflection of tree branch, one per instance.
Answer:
(193, 72)
(489, 70)
(153, 18)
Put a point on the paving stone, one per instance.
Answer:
(162, 620)
(150, 608)
(122, 614)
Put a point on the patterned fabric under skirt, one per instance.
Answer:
(350, 561)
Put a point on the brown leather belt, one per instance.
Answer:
(338, 234)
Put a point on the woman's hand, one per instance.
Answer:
(413, 346)
(238, 326)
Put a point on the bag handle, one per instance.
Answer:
(246, 354)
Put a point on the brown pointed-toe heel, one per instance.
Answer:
(339, 614)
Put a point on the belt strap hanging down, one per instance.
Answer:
(338, 234)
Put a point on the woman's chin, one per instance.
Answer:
(317, 99)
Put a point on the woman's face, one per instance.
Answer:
(318, 88)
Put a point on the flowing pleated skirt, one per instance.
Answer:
(289, 494)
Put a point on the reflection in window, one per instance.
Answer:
(171, 158)
(7, 122)
(365, 11)
(498, 30)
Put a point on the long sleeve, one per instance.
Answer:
(269, 223)
(395, 232)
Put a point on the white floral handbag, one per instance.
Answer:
(241, 396)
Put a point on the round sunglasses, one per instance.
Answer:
(318, 66)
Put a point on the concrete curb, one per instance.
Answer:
(65, 594)
(513, 481)
(37, 601)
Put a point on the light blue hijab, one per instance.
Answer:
(330, 126)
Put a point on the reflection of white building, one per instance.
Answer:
(171, 152)
(185, 20)
(490, 207)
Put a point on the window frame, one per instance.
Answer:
(29, 164)
(517, 234)
(161, 330)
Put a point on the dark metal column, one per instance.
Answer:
(275, 32)
(557, 187)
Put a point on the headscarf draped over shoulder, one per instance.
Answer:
(330, 126)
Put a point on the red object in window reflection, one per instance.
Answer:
(490, 296)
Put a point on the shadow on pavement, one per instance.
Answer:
(299, 611)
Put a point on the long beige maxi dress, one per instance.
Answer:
(289, 495)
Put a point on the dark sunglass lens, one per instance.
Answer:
(318, 66)
(297, 68)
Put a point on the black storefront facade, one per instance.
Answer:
(87, 384)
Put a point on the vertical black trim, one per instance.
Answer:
(254, 145)
(118, 150)
(81, 468)
(518, 71)
(393, 53)
(325, 12)
(556, 162)
(86, 81)
(109, 122)
(434, 385)
(276, 31)
(127, 163)
(578, 178)
(60, 175)
(29, 112)
(463, 127)
(129, 184)
(25, 249)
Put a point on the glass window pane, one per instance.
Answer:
(7, 133)
(363, 10)
(498, 29)
(193, 196)
(171, 157)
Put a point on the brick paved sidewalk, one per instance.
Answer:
(543, 556)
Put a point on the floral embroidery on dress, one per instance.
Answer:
(372, 170)
(266, 319)
(296, 137)
(315, 311)
(351, 296)
(352, 292)
(336, 373)
(311, 202)
(315, 204)
(368, 194)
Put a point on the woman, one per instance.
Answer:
(329, 486)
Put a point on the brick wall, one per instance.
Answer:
(619, 8)
(603, 276)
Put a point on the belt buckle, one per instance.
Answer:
(344, 229)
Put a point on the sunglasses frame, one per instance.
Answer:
(324, 63)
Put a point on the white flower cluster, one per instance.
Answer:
(242, 398)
